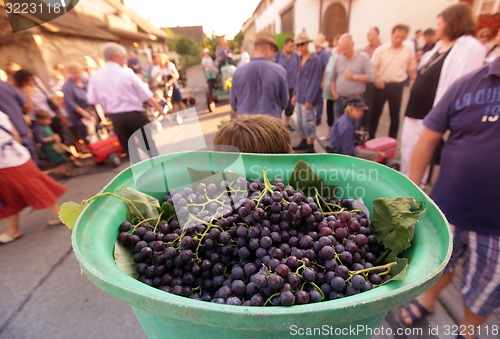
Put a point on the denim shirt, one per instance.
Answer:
(308, 81)
(291, 67)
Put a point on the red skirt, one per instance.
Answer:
(24, 186)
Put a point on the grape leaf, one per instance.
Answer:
(398, 272)
(124, 260)
(208, 177)
(305, 180)
(69, 212)
(140, 204)
(167, 211)
(394, 221)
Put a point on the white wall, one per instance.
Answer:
(271, 15)
(387, 13)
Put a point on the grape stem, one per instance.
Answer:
(386, 267)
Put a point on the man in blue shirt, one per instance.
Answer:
(306, 93)
(344, 131)
(467, 191)
(320, 44)
(260, 87)
(290, 61)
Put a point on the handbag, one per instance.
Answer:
(60, 148)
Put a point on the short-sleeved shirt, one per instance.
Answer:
(291, 67)
(359, 64)
(12, 153)
(393, 64)
(342, 137)
(259, 87)
(468, 186)
(117, 89)
(11, 103)
(327, 93)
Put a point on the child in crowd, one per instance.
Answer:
(255, 133)
(52, 147)
(344, 133)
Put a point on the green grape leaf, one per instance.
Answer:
(209, 177)
(69, 212)
(197, 175)
(167, 211)
(305, 180)
(398, 271)
(124, 260)
(394, 221)
(141, 205)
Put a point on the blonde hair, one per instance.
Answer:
(256, 133)
(42, 114)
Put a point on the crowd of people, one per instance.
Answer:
(453, 80)
(454, 84)
(50, 126)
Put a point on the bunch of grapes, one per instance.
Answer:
(256, 244)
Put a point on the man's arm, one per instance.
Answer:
(154, 104)
(314, 84)
(422, 154)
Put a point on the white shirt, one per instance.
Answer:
(12, 153)
(207, 63)
(117, 90)
(465, 56)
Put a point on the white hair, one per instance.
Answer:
(112, 49)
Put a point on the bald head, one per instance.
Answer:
(346, 45)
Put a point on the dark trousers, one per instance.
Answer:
(319, 107)
(128, 124)
(289, 108)
(393, 93)
(369, 98)
(330, 117)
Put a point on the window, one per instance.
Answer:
(488, 7)
(287, 20)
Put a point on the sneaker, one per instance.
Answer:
(290, 128)
(301, 146)
(310, 149)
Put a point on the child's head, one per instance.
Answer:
(355, 107)
(256, 133)
(58, 98)
(43, 117)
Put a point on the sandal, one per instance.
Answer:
(409, 310)
(7, 239)
(54, 222)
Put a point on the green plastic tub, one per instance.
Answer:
(165, 315)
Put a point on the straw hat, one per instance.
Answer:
(302, 38)
(321, 41)
(265, 37)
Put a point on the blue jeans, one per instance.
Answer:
(306, 120)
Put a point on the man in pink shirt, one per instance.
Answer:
(394, 62)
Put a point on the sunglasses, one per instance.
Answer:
(301, 44)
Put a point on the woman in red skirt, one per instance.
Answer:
(22, 184)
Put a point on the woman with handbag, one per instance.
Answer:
(22, 184)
